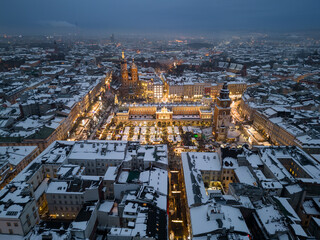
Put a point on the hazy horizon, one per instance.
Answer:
(148, 16)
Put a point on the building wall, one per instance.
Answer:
(11, 226)
(157, 91)
(245, 110)
(120, 189)
(313, 228)
(109, 192)
(22, 224)
(30, 217)
(293, 168)
(95, 167)
(65, 205)
(227, 177)
(88, 232)
(107, 220)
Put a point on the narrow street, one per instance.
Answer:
(178, 228)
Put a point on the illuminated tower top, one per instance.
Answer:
(133, 66)
(123, 55)
(224, 100)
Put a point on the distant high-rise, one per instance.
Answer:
(112, 38)
(221, 117)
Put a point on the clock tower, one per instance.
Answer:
(221, 116)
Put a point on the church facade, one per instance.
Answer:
(130, 85)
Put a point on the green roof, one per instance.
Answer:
(11, 139)
(133, 175)
(43, 133)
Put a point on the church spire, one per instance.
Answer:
(133, 66)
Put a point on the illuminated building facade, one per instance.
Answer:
(187, 92)
(186, 113)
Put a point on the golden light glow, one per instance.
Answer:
(177, 221)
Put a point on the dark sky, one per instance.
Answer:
(130, 16)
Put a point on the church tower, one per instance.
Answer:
(221, 117)
(124, 71)
(134, 72)
(134, 79)
(124, 76)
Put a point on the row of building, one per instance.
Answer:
(53, 95)
(76, 189)
(260, 193)
(285, 112)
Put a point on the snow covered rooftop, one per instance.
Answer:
(15, 154)
(212, 217)
(271, 219)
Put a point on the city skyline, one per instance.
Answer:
(143, 16)
(160, 120)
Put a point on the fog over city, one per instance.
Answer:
(150, 16)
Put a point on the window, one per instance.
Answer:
(8, 224)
